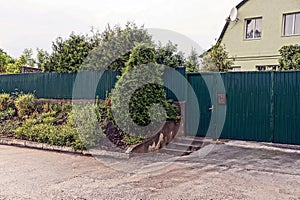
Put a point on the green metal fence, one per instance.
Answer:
(82, 85)
(260, 106)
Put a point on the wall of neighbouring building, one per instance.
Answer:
(264, 51)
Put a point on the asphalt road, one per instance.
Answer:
(227, 172)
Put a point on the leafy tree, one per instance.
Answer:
(216, 59)
(192, 62)
(27, 58)
(107, 50)
(168, 55)
(5, 60)
(115, 46)
(68, 54)
(290, 57)
(24, 60)
(13, 68)
(42, 59)
(110, 49)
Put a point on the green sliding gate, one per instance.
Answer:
(256, 106)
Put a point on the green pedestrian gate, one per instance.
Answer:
(207, 92)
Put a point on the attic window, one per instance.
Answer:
(253, 28)
(291, 24)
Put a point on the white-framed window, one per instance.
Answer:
(266, 67)
(291, 24)
(253, 28)
(235, 69)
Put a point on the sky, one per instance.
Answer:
(36, 23)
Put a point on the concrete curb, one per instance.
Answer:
(61, 149)
(128, 154)
(42, 146)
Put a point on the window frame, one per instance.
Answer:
(246, 28)
(235, 69)
(294, 24)
(267, 67)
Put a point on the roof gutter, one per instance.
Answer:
(228, 22)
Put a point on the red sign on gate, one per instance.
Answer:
(222, 99)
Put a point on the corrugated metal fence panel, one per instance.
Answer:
(170, 78)
(287, 107)
(107, 83)
(61, 85)
(56, 86)
(27, 83)
(85, 85)
(248, 106)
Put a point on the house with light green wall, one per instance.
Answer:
(260, 29)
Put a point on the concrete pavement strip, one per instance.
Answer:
(62, 149)
(267, 146)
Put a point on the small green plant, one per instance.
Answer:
(44, 132)
(7, 127)
(85, 117)
(25, 105)
(55, 107)
(54, 126)
(132, 140)
(5, 101)
(66, 107)
(7, 114)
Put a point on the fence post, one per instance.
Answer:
(272, 106)
(186, 94)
